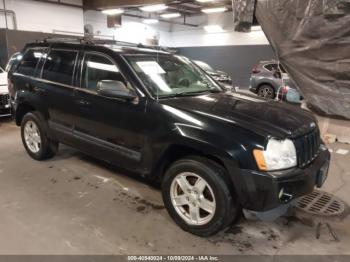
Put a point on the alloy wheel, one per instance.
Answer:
(266, 92)
(32, 136)
(193, 198)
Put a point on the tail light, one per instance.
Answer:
(255, 70)
(284, 89)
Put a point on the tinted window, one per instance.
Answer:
(29, 61)
(97, 68)
(271, 67)
(59, 66)
(275, 67)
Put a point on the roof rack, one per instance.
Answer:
(80, 40)
(94, 41)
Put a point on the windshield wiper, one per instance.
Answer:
(195, 93)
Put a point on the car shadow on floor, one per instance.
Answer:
(66, 152)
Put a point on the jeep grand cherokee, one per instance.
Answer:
(157, 114)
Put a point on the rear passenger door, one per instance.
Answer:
(57, 83)
(111, 128)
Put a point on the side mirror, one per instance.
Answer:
(115, 89)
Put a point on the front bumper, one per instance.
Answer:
(263, 191)
(5, 106)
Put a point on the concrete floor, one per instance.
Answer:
(73, 204)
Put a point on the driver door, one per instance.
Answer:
(110, 128)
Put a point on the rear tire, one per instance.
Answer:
(35, 138)
(198, 196)
(266, 91)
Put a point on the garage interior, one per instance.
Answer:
(74, 204)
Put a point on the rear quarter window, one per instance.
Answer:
(59, 66)
(271, 67)
(28, 63)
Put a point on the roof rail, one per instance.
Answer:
(85, 40)
(94, 41)
(80, 40)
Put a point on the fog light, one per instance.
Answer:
(284, 197)
(280, 195)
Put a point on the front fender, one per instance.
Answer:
(230, 152)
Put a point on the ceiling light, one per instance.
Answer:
(150, 21)
(117, 11)
(170, 15)
(214, 10)
(153, 8)
(213, 28)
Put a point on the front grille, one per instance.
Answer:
(4, 100)
(307, 147)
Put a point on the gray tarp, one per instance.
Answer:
(243, 13)
(312, 40)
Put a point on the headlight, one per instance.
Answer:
(279, 154)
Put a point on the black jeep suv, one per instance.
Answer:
(159, 115)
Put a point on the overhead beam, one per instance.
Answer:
(105, 4)
(162, 20)
(58, 2)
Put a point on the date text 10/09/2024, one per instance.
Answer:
(173, 258)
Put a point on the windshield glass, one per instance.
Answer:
(15, 57)
(168, 75)
(204, 66)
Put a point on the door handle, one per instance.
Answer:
(82, 102)
(38, 89)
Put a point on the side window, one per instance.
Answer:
(98, 68)
(271, 67)
(59, 66)
(29, 61)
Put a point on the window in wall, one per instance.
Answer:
(59, 66)
(28, 63)
(98, 68)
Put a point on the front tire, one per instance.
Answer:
(35, 139)
(197, 196)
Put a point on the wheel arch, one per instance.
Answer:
(265, 83)
(176, 152)
(21, 110)
(25, 103)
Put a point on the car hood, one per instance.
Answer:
(217, 73)
(3, 83)
(3, 79)
(3, 89)
(249, 112)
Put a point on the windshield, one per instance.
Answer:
(204, 66)
(169, 75)
(15, 57)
